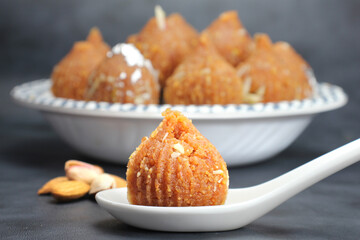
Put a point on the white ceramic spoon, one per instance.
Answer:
(242, 206)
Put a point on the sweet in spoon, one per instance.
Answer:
(243, 205)
(176, 166)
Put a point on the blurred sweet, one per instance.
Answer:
(70, 75)
(274, 72)
(124, 76)
(204, 77)
(230, 37)
(176, 166)
(165, 41)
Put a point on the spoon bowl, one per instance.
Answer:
(243, 205)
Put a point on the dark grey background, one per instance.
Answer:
(35, 35)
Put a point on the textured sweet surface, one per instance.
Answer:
(124, 76)
(165, 47)
(176, 166)
(230, 37)
(204, 77)
(274, 72)
(70, 75)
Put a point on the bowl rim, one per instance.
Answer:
(37, 95)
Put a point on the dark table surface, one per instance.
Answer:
(31, 153)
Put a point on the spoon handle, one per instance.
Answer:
(314, 171)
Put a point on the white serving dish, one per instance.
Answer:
(243, 134)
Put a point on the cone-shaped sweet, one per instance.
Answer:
(274, 72)
(96, 39)
(70, 75)
(176, 166)
(230, 37)
(204, 77)
(124, 76)
(165, 44)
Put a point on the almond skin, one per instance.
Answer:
(82, 171)
(69, 190)
(47, 187)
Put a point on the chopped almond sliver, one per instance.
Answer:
(179, 148)
(160, 17)
(218, 172)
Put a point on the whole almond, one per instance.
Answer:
(47, 187)
(82, 171)
(120, 182)
(69, 190)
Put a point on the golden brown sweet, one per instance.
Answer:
(165, 42)
(124, 76)
(274, 72)
(70, 75)
(204, 78)
(231, 39)
(176, 166)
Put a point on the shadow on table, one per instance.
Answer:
(114, 227)
(117, 228)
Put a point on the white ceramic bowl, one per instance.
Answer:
(243, 134)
